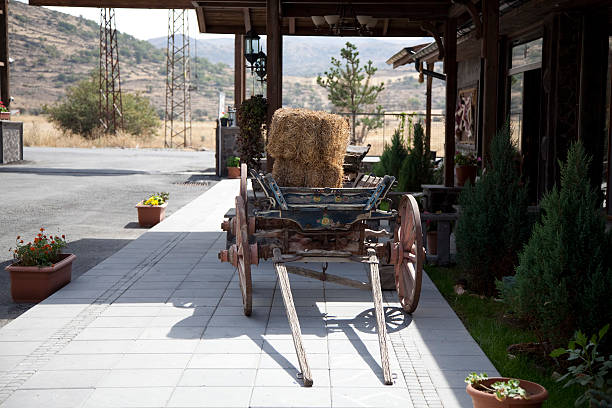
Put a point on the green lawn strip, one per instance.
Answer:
(483, 318)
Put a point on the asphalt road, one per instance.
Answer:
(89, 195)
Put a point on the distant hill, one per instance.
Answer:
(54, 50)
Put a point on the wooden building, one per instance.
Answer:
(544, 59)
(549, 74)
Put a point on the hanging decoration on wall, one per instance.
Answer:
(465, 116)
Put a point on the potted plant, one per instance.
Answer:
(5, 114)
(39, 268)
(152, 210)
(467, 167)
(504, 392)
(233, 167)
(224, 119)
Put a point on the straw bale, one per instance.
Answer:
(288, 173)
(308, 137)
(329, 175)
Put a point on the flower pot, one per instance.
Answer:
(432, 242)
(536, 393)
(465, 173)
(224, 121)
(5, 115)
(32, 284)
(233, 172)
(150, 215)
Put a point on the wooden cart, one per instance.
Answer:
(326, 225)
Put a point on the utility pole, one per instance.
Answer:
(177, 130)
(110, 103)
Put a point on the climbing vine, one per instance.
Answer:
(251, 117)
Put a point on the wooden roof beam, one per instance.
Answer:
(376, 11)
(145, 4)
(232, 4)
(474, 14)
(201, 19)
(432, 30)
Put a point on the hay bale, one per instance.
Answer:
(308, 137)
(288, 173)
(329, 175)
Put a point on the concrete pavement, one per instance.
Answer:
(160, 324)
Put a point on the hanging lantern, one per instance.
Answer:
(260, 65)
(251, 47)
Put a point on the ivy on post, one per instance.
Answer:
(252, 114)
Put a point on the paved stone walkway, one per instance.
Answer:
(160, 324)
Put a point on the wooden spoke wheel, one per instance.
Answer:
(244, 185)
(243, 256)
(410, 254)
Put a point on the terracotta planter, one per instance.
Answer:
(432, 242)
(33, 284)
(150, 215)
(465, 173)
(536, 393)
(5, 115)
(233, 172)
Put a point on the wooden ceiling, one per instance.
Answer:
(396, 18)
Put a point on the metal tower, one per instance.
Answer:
(110, 103)
(178, 77)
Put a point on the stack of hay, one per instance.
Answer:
(308, 148)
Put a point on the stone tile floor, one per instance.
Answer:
(160, 324)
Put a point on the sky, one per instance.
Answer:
(145, 24)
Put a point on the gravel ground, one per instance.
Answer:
(89, 195)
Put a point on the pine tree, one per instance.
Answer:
(493, 225)
(392, 157)
(564, 280)
(416, 168)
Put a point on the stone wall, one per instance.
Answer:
(226, 146)
(11, 141)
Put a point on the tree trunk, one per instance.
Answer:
(353, 141)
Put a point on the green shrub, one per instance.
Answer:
(78, 112)
(139, 115)
(392, 157)
(564, 278)
(416, 168)
(251, 116)
(493, 225)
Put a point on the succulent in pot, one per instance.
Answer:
(500, 392)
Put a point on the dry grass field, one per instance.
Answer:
(38, 131)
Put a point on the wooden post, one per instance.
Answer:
(490, 53)
(274, 63)
(5, 94)
(430, 67)
(592, 99)
(239, 70)
(450, 68)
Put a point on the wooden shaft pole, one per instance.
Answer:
(294, 323)
(381, 325)
(450, 68)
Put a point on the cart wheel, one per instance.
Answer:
(410, 254)
(243, 256)
(244, 185)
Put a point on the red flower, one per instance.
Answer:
(18, 237)
(42, 229)
(32, 249)
(21, 242)
(63, 236)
